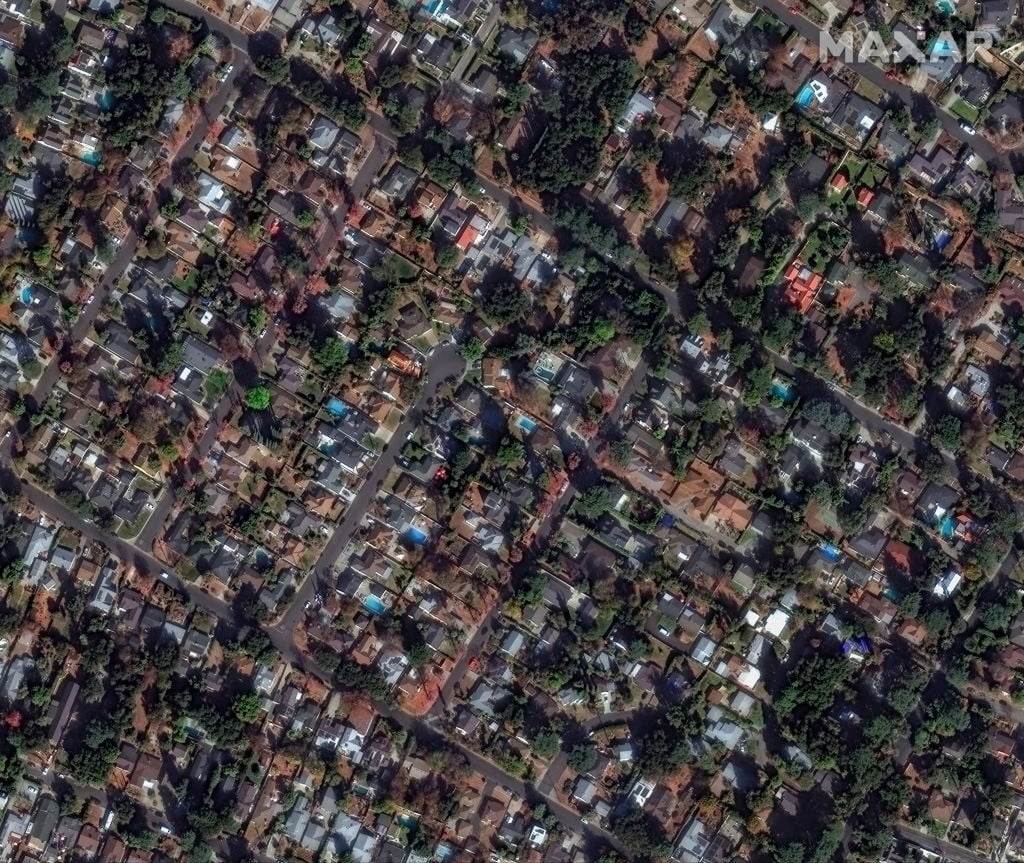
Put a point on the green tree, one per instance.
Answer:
(41, 257)
(257, 398)
(472, 349)
(170, 209)
(511, 452)
(246, 708)
(273, 67)
(258, 319)
(332, 356)
(948, 433)
(758, 385)
(583, 757)
(520, 223)
(445, 255)
(621, 452)
(792, 853)
(594, 502)
(507, 304)
(546, 743)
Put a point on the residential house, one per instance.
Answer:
(516, 44)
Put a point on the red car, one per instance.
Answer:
(890, 74)
(795, 10)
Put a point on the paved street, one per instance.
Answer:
(444, 363)
(947, 850)
(914, 101)
(482, 35)
(441, 365)
(126, 254)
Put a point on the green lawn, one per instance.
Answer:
(311, 390)
(404, 268)
(874, 175)
(132, 530)
(964, 111)
(869, 91)
(216, 384)
(187, 284)
(704, 98)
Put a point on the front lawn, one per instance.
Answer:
(964, 111)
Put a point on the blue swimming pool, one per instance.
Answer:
(105, 100)
(830, 551)
(945, 7)
(946, 527)
(437, 8)
(337, 407)
(92, 158)
(526, 425)
(373, 605)
(25, 294)
(784, 391)
(415, 535)
(804, 97)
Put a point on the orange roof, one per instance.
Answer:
(840, 181)
(801, 286)
(466, 237)
(865, 196)
(734, 511)
(400, 362)
(361, 716)
(897, 554)
(698, 488)
(354, 216)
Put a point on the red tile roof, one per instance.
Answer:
(466, 237)
(802, 286)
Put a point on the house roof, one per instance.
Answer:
(733, 511)
(516, 43)
(802, 285)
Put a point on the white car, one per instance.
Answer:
(967, 127)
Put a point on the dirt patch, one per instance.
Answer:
(649, 48)
(424, 699)
(656, 185)
(701, 46)
(39, 613)
(833, 361)
(140, 719)
(684, 78)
